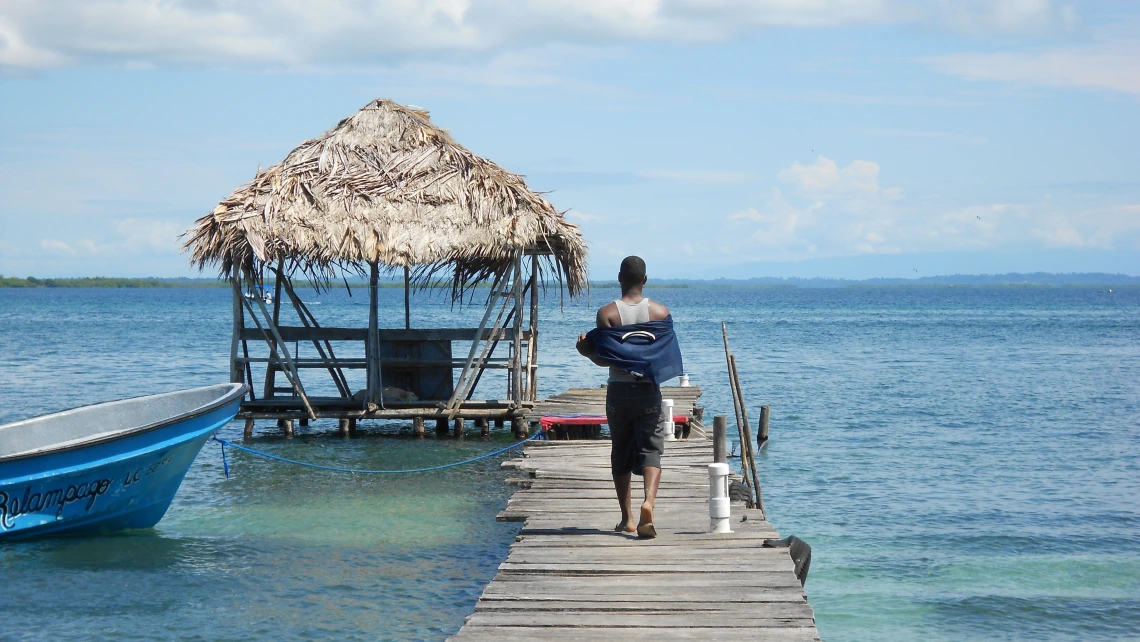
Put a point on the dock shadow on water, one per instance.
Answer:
(280, 551)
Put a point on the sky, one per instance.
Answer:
(716, 138)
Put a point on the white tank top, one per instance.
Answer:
(630, 314)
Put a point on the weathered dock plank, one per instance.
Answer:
(569, 576)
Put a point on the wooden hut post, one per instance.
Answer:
(373, 349)
(516, 365)
(407, 299)
(441, 427)
(418, 427)
(237, 374)
(271, 367)
(532, 344)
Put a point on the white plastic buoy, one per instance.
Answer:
(719, 508)
(666, 420)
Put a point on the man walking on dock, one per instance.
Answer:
(634, 339)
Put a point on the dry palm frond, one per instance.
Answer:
(386, 186)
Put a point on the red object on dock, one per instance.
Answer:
(589, 420)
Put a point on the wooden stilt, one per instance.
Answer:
(418, 427)
(484, 427)
(372, 351)
(532, 343)
(518, 427)
(352, 427)
(457, 430)
(441, 427)
(342, 427)
(407, 299)
(763, 431)
(236, 370)
(248, 432)
(287, 426)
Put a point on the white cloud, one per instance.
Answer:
(858, 177)
(286, 34)
(127, 237)
(56, 245)
(842, 211)
(583, 216)
(1113, 65)
(982, 16)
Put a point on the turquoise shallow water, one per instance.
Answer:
(963, 462)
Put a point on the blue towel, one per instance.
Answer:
(647, 351)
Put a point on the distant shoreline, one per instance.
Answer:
(1013, 280)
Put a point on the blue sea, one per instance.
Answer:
(965, 463)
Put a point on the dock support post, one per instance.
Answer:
(342, 427)
(441, 427)
(248, 432)
(407, 299)
(720, 439)
(418, 427)
(532, 343)
(236, 370)
(372, 350)
(287, 426)
(352, 427)
(763, 431)
(484, 427)
(457, 430)
(519, 427)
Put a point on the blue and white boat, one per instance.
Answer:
(110, 466)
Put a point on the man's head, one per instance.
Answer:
(632, 272)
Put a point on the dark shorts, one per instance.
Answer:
(632, 410)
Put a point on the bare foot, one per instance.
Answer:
(645, 529)
(625, 526)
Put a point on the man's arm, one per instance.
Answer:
(586, 347)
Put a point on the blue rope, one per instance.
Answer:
(358, 471)
(225, 464)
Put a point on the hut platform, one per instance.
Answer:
(570, 576)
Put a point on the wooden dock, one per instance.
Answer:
(570, 576)
(592, 401)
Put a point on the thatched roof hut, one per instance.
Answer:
(386, 186)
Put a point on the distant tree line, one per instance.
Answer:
(1037, 279)
(107, 282)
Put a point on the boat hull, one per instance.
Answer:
(125, 483)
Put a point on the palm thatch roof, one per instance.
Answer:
(386, 186)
